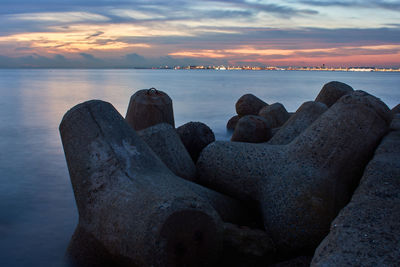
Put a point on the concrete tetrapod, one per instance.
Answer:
(252, 129)
(149, 107)
(275, 114)
(133, 208)
(166, 143)
(305, 115)
(367, 231)
(195, 137)
(396, 109)
(333, 91)
(301, 186)
(249, 104)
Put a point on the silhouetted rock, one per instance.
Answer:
(367, 231)
(165, 142)
(195, 136)
(149, 107)
(249, 104)
(333, 91)
(232, 123)
(130, 204)
(252, 129)
(275, 114)
(301, 186)
(305, 115)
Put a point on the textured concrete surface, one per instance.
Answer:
(333, 91)
(275, 114)
(149, 107)
(305, 115)
(301, 187)
(367, 231)
(130, 204)
(249, 104)
(252, 129)
(195, 137)
(165, 142)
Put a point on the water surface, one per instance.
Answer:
(37, 209)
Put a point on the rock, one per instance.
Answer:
(305, 115)
(130, 204)
(165, 142)
(276, 114)
(244, 246)
(396, 109)
(195, 136)
(232, 123)
(333, 91)
(252, 129)
(367, 231)
(149, 107)
(249, 104)
(301, 186)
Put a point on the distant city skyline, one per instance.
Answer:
(145, 34)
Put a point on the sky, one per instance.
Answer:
(153, 33)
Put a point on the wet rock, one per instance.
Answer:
(333, 91)
(244, 246)
(276, 114)
(232, 123)
(165, 142)
(252, 129)
(149, 107)
(305, 115)
(367, 231)
(301, 186)
(249, 104)
(130, 204)
(195, 136)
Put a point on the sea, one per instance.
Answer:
(38, 213)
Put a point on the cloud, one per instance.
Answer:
(98, 33)
(201, 31)
(58, 17)
(389, 5)
(90, 61)
(88, 56)
(282, 10)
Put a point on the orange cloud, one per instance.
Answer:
(351, 54)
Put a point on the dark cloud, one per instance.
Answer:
(89, 61)
(283, 10)
(95, 35)
(274, 38)
(364, 4)
(88, 56)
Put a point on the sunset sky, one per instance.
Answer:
(139, 33)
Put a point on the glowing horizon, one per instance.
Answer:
(144, 33)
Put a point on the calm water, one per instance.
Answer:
(37, 209)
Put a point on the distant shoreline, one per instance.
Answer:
(218, 68)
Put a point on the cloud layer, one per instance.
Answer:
(106, 33)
